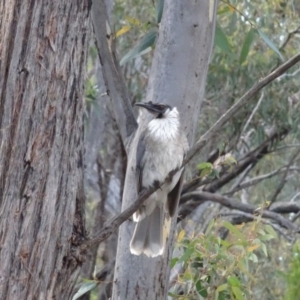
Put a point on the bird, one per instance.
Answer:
(161, 148)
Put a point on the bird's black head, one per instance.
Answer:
(156, 109)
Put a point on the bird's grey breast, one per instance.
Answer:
(160, 158)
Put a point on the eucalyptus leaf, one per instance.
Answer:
(234, 281)
(221, 41)
(247, 44)
(146, 42)
(85, 288)
(187, 254)
(174, 261)
(270, 43)
(159, 10)
(271, 230)
(234, 230)
(237, 293)
(201, 290)
(222, 287)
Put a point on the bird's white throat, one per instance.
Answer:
(165, 128)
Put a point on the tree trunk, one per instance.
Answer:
(43, 47)
(178, 78)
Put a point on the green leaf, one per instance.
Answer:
(187, 254)
(253, 257)
(222, 287)
(267, 237)
(247, 44)
(205, 165)
(214, 174)
(229, 160)
(264, 249)
(225, 244)
(271, 231)
(233, 230)
(200, 289)
(159, 10)
(234, 281)
(206, 168)
(270, 43)
(174, 261)
(221, 41)
(237, 293)
(85, 287)
(146, 42)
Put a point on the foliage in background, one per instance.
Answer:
(293, 275)
(216, 268)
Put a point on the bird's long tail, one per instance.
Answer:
(148, 234)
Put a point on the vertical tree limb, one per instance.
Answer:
(116, 88)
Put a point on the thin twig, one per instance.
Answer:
(296, 216)
(240, 180)
(289, 36)
(253, 112)
(295, 196)
(283, 180)
(287, 146)
(257, 179)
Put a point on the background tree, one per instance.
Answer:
(42, 66)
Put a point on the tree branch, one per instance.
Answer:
(253, 112)
(273, 213)
(114, 81)
(111, 226)
(258, 179)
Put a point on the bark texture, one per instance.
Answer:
(178, 78)
(43, 48)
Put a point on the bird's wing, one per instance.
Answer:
(140, 152)
(174, 196)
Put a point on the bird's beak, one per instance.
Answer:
(150, 106)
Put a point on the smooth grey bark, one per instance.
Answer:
(43, 46)
(177, 77)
